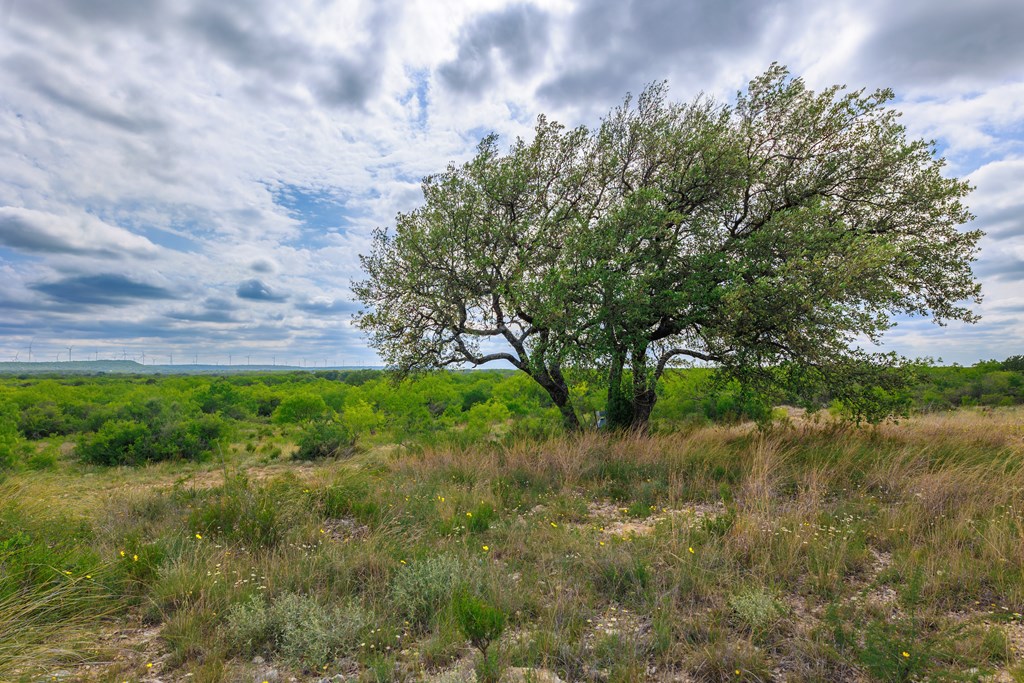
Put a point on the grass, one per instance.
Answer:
(813, 552)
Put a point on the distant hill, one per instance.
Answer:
(130, 367)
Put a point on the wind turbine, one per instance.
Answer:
(30, 349)
(69, 352)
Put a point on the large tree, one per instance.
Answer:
(767, 239)
(475, 274)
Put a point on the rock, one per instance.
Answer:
(257, 660)
(268, 676)
(524, 675)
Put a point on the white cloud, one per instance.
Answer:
(80, 233)
(163, 132)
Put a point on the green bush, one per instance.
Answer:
(12, 446)
(324, 439)
(43, 419)
(118, 442)
(482, 624)
(299, 408)
(131, 442)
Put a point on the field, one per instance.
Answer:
(337, 527)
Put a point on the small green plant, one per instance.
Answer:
(482, 624)
(481, 518)
(757, 608)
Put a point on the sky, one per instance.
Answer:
(197, 179)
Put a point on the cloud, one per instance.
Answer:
(244, 39)
(263, 265)
(328, 307)
(242, 151)
(255, 290)
(515, 38)
(204, 316)
(934, 42)
(126, 116)
(619, 45)
(46, 233)
(111, 290)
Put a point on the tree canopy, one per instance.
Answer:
(770, 238)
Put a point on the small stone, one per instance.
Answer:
(257, 660)
(268, 675)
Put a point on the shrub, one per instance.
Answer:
(11, 443)
(118, 442)
(360, 418)
(296, 628)
(421, 589)
(300, 408)
(43, 419)
(482, 624)
(324, 439)
(130, 442)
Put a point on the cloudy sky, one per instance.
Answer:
(198, 178)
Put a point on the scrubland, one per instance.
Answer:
(810, 550)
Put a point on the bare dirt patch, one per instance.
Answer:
(611, 520)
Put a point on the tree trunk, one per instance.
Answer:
(554, 383)
(643, 405)
(644, 396)
(618, 408)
